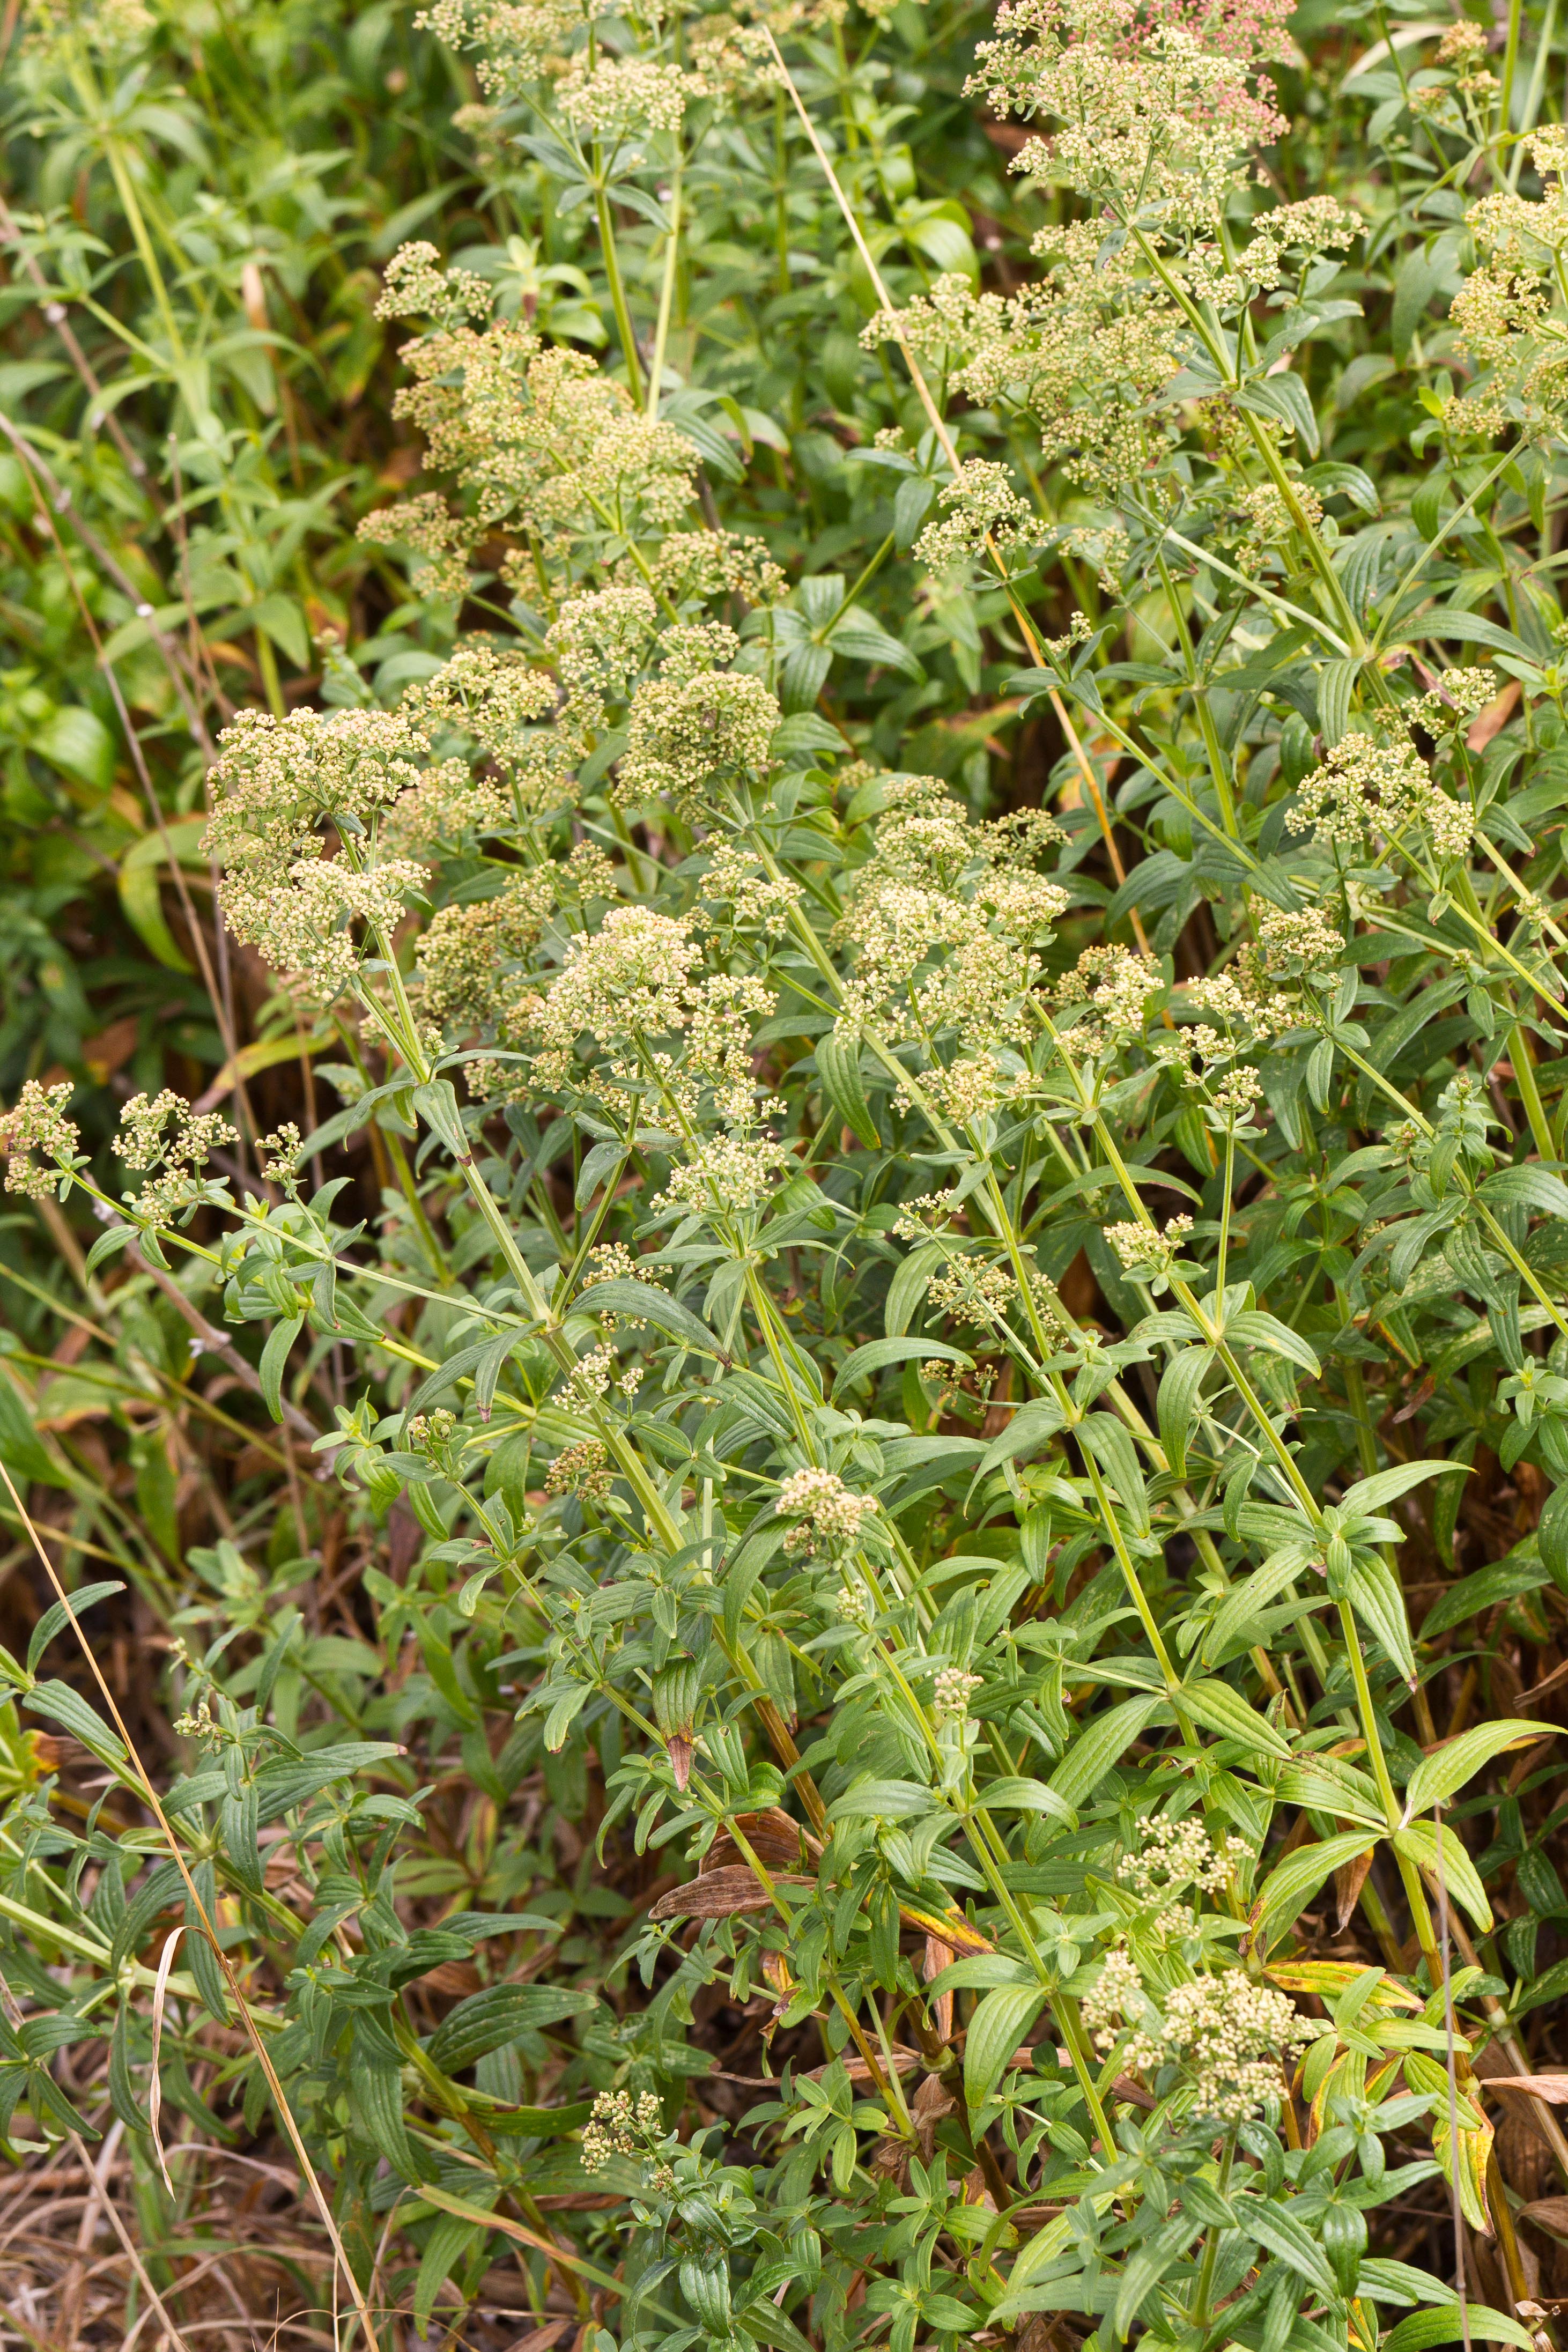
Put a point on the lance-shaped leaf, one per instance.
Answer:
(1292, 1883)
(490, 2020)
(1001, 2019)
(1220, 1708)
(1101, 1745)
(1443, 1862)
(1373, 1592)
(839, 1068)
(1444, 1772)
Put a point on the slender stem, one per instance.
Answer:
(617, 289)
(666, 293)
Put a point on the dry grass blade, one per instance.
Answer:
(155, 2086)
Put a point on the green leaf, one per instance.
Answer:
(839, 1068)
(490, 2020)
(645, 1302)
(1275, 2227)
(447, 2243)
(1178, 1402)
(1001, 2019)
(66, 1706)
(436, 1104)
(1013, 1795)
(22, 1450)
(1255, 1329)
(1097, 1749)
(61, 1612)
(1443, 1774)
(1031, 1425)
(1445, 1864)
(274, 1361)
(885, 1800)
(1552, 1538)
(1336, 685)
(1292, 1883)
(139, 890)
(1385, 1486)
(77, 741)
(876, 1355)
(910, 1284)
(1373, 1592)
(1529, 1186)
(1505, 1580)
(1248, 1598)
(1223, 1710)
(1446, 2323)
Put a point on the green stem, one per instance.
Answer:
(617, 289)
(666, 294)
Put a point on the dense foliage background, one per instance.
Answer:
(784, 1549)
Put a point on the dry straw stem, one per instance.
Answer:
(285, 2113)
(939, 426)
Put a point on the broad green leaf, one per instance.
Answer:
(876, 1355)
(884, 1801)
(1013, 1795)
(1000, 2021)
(490, 2020)
(649, 1303)
(1099, 1746)
(1292, 1883)
(1444, 2323)
(910, 1284)
(1285, 2235)
(274, 1361)
(1444, 1862)
(1030, 1427)
(1178, 1402)
(839, 1068)
(62, 1612)
(64, 1706)
(1444, 1772)
(1385, 1486)
(1373, 1591)
(1255, 1329)
(1223, 1710)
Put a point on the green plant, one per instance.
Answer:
(938, 1407)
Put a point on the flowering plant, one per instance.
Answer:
(955, 1411)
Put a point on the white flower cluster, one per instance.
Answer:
(1229, 2037)
(1148, 1254)
(145, 1143)
(620, 2126)
(946, 920)
(1173, 1855)
(736, 878)
(982, 512)
(625, 98)
(35, 1131)
(1459, 696)
(1364, 787)
(472, 965)
(582, 1470)
(970, 1292)
(727, 1175)
(689, 730)
(951, 1692)
(829, 1516)
(1114, 986)
(279, 785)
(632, 984)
